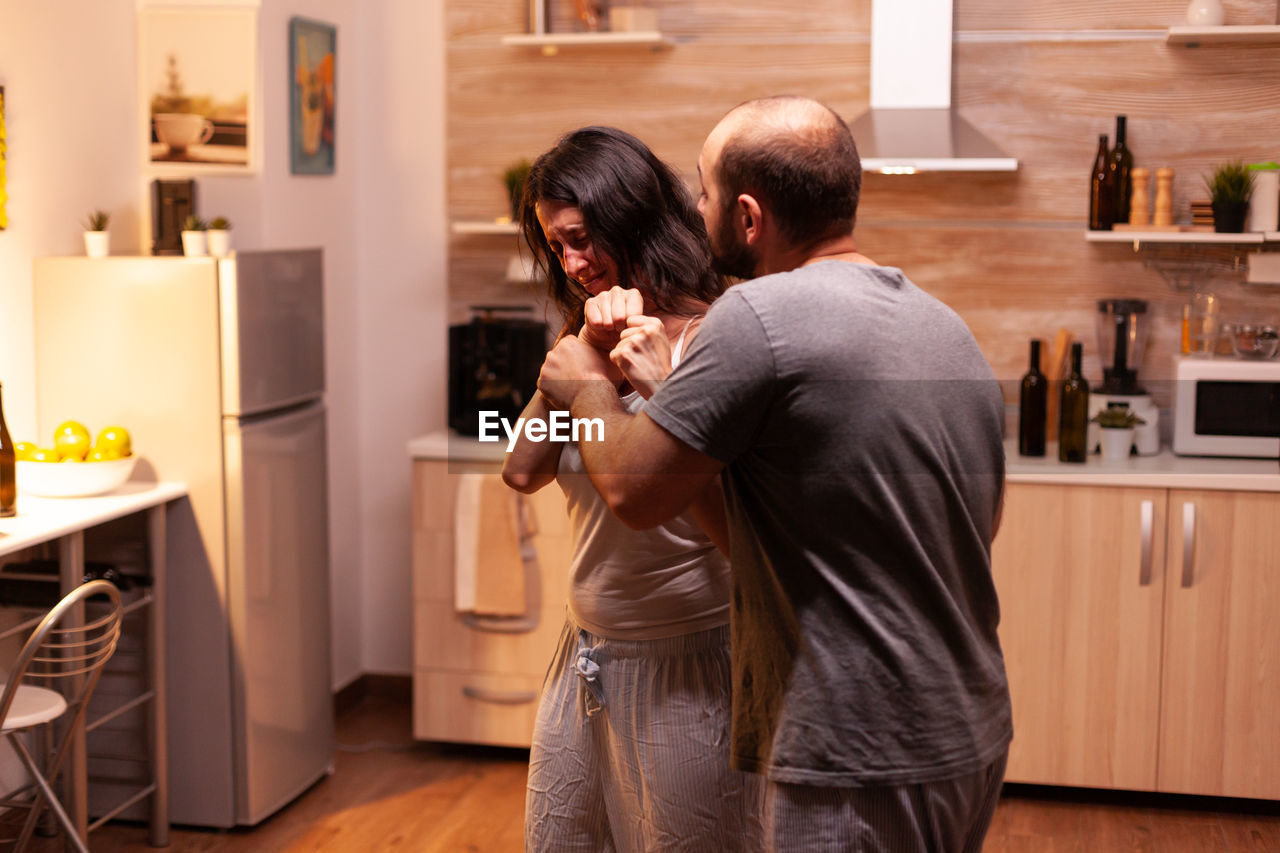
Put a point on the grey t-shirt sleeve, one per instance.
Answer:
(719, 394)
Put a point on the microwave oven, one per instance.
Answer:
(1226, 407)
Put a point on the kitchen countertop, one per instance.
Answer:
(1165, 470)
(45, 519)
(446, 445)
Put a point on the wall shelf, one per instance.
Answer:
(483, 226)
(552, 42)
(1184, 237)
(1197, 36)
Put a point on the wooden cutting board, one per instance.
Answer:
(1055, 370)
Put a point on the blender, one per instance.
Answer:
(1122, 336)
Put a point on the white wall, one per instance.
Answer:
(402, 319)
(72, 122)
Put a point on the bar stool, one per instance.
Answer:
(59, 652)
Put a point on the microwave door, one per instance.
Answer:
(1246, 414)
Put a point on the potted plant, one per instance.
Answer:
(1117, 424)
(1229, 190)
(514, 177)
(195, 242)
(97, 241)
(219, 236)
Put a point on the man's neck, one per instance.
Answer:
(787, 258)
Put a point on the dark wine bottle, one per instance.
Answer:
(1073, 412)
(1120, 164)
(1033, 407)
(1102, 194)
(8, 475)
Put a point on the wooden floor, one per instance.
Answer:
(391, 794)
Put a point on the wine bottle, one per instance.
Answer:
(1073, 412)
(8, 475)
(1102, 194)
(1120, 166)
(1033, 407)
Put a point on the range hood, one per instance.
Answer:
(911, 126)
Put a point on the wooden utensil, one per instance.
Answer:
(1054, 371)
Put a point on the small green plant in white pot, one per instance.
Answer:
(97, 240)
(1115, 436)
(195, 243)
(219, 236)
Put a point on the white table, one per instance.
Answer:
(64, 520)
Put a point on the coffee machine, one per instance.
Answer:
(1122, 337)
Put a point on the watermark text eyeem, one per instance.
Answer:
(558, 427)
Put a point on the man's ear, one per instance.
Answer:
(750, 214)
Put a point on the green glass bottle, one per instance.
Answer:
(1073, 412)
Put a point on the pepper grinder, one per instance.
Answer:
(1138, 202)
(1164, 197)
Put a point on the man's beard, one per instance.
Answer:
(729, 256)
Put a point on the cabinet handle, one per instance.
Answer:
(500, 697)
(1148, 522)
(1188, 543)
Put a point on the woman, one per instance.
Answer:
(630, 747)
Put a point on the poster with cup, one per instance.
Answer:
(197, 88)
(312, 53)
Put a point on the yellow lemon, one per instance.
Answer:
(23, 449)
(71, 446)
(44, 454)
(114, 442)
(72, 459)
(71, 439)
(97, 456)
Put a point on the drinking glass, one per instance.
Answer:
(1200, 325)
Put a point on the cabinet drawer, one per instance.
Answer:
(474, 708)
(444, 641)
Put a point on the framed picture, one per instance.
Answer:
(197, 88)
(312, 53)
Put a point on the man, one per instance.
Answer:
(858, 429)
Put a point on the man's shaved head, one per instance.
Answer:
(796, 157)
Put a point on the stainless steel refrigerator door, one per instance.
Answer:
(272, 322)
(278, 596)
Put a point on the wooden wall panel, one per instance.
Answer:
(1007, 251)
(1096, 14)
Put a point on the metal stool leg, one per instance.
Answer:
(49, 798)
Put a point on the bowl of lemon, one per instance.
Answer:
(75, 465)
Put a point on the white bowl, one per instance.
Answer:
(72, 479)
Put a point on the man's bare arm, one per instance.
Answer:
(645, 474)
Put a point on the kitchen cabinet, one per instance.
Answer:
(1080, 574)
(1140, 637)
(476, 679)
(1220, 702)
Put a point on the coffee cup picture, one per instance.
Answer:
(182, 130)
(196, 78)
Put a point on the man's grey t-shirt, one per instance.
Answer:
(862, 431)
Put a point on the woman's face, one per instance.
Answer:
(562, 225)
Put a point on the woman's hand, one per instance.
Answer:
(606, 315)
(643, 354)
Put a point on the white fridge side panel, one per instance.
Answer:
(134, 342)
(278, 572)
(272, 307)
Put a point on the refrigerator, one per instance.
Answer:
(216, 368)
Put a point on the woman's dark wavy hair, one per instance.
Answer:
(636, 210)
